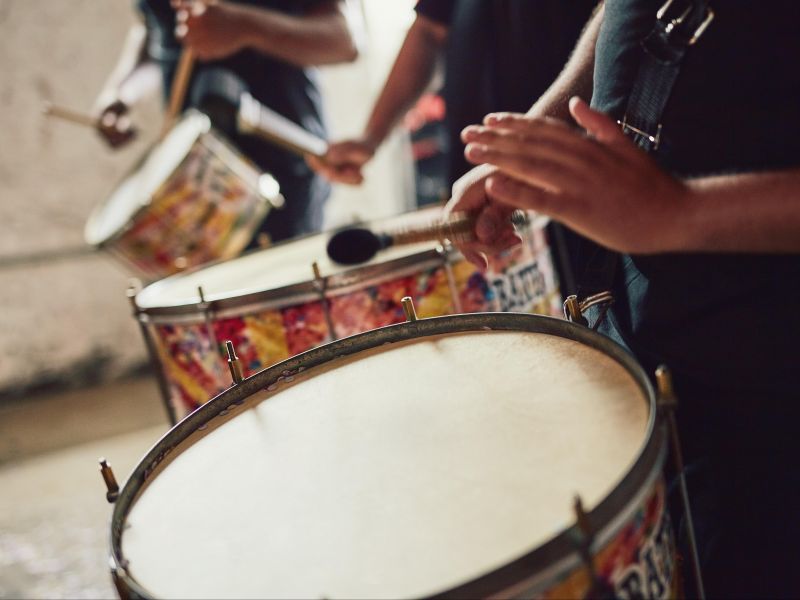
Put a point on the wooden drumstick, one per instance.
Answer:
(67, 114)
(180, 84)
(357, 245)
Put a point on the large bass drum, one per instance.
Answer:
(439, 457)
(193, 199)
(272, 303)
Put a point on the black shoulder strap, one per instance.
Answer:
(679, 23)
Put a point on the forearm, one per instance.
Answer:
(576, 77)
(751, 212)
(320, 37)
(134, 76)
(410, 76)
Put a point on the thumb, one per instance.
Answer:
(596, 124)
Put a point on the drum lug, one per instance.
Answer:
(234, 364)
(583, 537)
(408, 308)
(112, 487)
(572, 311)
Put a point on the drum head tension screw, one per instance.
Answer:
(234, 364)
(111, 482)
(408, 308)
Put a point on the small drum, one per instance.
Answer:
(435, 457)
(193, 199)
(272, 304)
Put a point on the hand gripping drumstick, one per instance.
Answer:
(356, 245)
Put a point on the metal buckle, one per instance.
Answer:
(673, 23)
(626, 127)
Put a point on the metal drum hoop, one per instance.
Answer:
(527, 574)
(352, 279)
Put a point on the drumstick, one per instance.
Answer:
(180, 83)
(357, 245)
(73, 116)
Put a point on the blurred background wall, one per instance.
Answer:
(64, 318)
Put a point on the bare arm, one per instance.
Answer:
(576, 77)
(749, 212)
(411, 74)
(133, 78)
(216, 29)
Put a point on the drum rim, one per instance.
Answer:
(204, 137)
(535, 568)
(310, 290)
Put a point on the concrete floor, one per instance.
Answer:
(54, 518)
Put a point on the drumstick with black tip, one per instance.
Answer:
(357, 245)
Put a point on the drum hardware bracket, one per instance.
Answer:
(112, 487)
(408, 309)
(667, 404)
(234, 363)
(583, 537)
(574, 309)
(321, 286)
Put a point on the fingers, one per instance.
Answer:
(468, 194)
(596, 124)
(516, 194)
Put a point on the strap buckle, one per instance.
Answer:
(681, 18)
(627, 127)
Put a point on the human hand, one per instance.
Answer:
(600, 185)
(114, 125)
(493, 231)
(210, 28)
(343, 161)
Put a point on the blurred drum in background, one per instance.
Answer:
(193, 199)
(277, 302)
(441, 457)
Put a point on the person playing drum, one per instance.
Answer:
(262, 47)
(705, 234)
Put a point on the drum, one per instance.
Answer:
(439, 457)
(193, 199)
(273, 303)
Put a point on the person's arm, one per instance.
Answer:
(493, 232)
(133, 78)
(411, 75)
(215, 29)
(606, 188)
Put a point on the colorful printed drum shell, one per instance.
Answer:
(271, 326)
(207, 209)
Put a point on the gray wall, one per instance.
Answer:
(63, 315)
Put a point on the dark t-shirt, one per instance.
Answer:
(727, 324)
(287, 89)
(501, 55)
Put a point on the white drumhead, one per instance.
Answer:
(402, 472)
(282, 265)
(137, 189)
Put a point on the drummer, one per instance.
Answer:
(263, 47)
(497, 56)
(706, 235)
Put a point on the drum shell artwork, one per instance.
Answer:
(633, 550)
(270, 326)
(208, 208)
